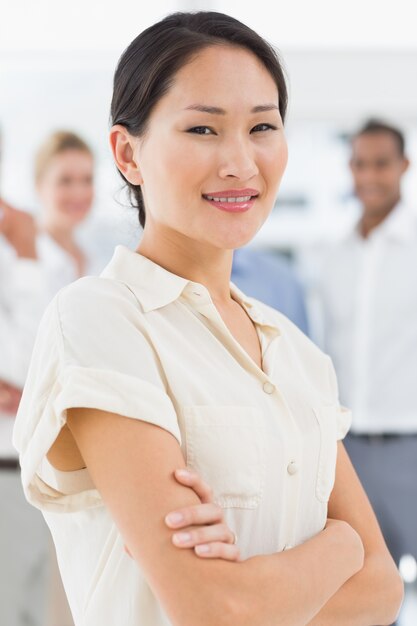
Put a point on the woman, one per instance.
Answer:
(64, 177)
(161, 362)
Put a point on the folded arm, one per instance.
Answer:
(132, 464)
(372, 596)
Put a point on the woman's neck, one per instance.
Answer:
(62, 236)
(198, 262)
(65, 240)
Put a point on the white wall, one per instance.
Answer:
(108, 24)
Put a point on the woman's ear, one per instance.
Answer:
(123, 144)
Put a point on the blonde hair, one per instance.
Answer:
(58, 142)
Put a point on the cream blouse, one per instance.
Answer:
(142, 342)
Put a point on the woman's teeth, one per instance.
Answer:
(231, 200)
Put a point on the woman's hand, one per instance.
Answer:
(202, 527)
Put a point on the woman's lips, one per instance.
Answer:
(233, 200)
(233, 207)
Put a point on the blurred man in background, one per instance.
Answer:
(369, 293)
(23, 533)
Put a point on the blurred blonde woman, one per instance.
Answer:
(64, 177)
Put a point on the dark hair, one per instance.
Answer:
(146, 69)
(375, 126)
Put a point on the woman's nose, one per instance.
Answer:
(238, 161)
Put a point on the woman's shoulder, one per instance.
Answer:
(95, 292)
(91, 307)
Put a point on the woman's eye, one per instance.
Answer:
(263, 127)
(200, 130)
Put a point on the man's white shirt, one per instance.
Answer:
(368, 289)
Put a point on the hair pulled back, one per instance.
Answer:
(147, 68)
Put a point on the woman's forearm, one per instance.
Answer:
(292, 586)
(284, 589)
(364, 598)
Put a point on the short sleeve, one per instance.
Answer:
(92, 352)
(343, 415)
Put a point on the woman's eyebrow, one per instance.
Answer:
(203, 108)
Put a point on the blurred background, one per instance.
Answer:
(346, 62)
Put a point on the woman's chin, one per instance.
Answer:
(221, 238)
(237, 237)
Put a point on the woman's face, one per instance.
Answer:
(66, 189)
(214, 152)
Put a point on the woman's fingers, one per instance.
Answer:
(216, 550)
(195, 515)
(213, 542)
(194, 536)
(205, 513)
(190, 478)
(201, 526)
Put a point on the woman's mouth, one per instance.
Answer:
(237, 203)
